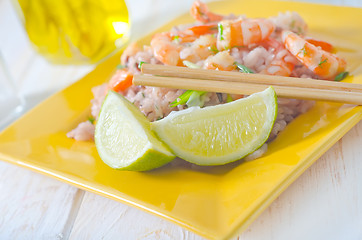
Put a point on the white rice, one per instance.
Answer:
(83, 132)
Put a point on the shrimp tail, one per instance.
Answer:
(165, 50)
(324, 64)
(200, 12)
(193, 33)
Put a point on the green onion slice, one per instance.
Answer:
(221, 30)
(121, 66)
(341, 76)
(140, 64)
(186, 96)
(91, 119)
(243, 68)
(229, 98)
(190, 64)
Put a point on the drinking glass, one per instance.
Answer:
(11, 101)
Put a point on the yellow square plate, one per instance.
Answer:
(215, 202)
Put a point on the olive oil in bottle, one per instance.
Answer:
(75, 31)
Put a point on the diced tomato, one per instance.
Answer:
(121, 80)
(319, 43)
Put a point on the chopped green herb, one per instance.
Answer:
(190, 64)
(186, 96)
(221, 31)
(323, 61)
(243, 68)
(143, 95)
(213, 49)
(120, 66)
(299, 29)
(200, 13)
(159, 118)
(189, 97)
(341, 76)
(239, 46)
(303, 51)
(182, 99)
(176, 38)
(91, 119)
(229, 98)
(196, 99)
(292, 24)
(140, 64)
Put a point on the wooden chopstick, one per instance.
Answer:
(248, 88)
(182, 72)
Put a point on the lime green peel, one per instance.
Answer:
(123, 137)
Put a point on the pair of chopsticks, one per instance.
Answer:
(246, 83)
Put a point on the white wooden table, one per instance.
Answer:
(324, 203)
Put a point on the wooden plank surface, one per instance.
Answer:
(34, 206)
(324, 203)
(118, 221)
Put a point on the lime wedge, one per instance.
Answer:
(123, 137)
(220, 134)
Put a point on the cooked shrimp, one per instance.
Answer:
(199, 11)
(166, 47)
(279, 67)
(193, 33)
(326, 46)
(221, 61)
(324, 64)
(234, 33)
(131, 50)
(200, 49)
(203, 29)
(165, 50)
